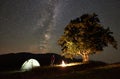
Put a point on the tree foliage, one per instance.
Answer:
(85, 35)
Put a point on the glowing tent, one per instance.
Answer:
(29, 64)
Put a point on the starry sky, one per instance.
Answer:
(36, 25)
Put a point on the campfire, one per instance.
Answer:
(63, 64)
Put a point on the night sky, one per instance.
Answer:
(36, 25)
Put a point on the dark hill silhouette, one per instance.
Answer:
(14, 61)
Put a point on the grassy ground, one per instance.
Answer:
(84, 71)
(112, 72)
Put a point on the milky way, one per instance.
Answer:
(47, 23)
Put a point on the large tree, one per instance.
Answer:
(85, 35)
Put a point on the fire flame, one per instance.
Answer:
(63, 64)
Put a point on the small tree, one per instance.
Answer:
(85, 35)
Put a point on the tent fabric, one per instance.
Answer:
(30, 64)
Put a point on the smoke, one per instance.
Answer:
(46, 24)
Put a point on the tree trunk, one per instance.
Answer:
(85, 58)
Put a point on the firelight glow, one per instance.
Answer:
(63, 64)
